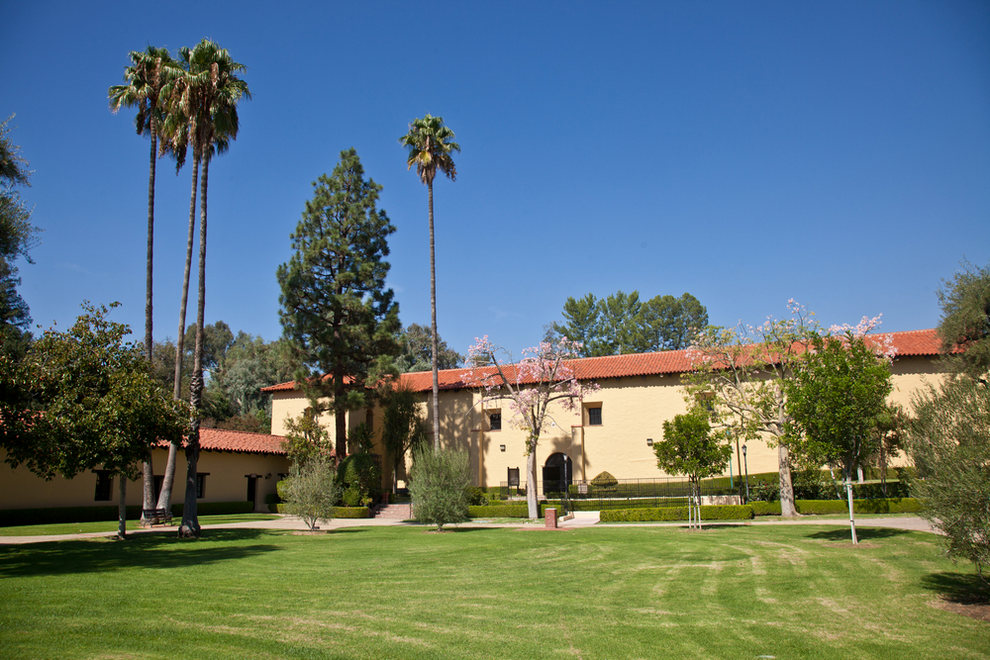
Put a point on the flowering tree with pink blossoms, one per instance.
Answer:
(740, 374)
(541, 381)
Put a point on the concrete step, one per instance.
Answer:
(395, 512)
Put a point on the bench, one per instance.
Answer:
(152, 517)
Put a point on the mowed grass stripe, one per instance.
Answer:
(403, 592)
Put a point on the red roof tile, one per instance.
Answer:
(241, 442)
(909, 343)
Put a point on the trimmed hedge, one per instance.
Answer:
(715, 512)
(351, 512)
(498, 511)
(821, 507)
(340, 511)
(13, 517)
(765, 508)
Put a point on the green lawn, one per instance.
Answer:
(110, 526)
(396, 592)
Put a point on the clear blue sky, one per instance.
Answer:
(837, 153)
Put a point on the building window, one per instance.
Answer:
(201, 484)
(595, 415)
(495, 420)
(104, 485)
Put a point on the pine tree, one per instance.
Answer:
(334, 304)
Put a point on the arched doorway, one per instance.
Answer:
(557, 473)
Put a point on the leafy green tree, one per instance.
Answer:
(439, 486)
(306, 438)
(311, 490)
(84, 399)
(949, 442)
(17, 236)
(335, 308)
(688, 447)
(416, 343)
(430, 145)
(835, 397)
(622, 323)
(248, 365)
(403, 430)
(203, 114)
(965, 324)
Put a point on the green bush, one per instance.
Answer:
(351, 512)
(714, 512)
(361, 479)
(604, 480)
(498, 511)
(311, 490)
(438, 484)
(765, 508)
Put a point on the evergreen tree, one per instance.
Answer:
(16, 237)
(334, 304)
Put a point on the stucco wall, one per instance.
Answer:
(633, 410)
(226, 482)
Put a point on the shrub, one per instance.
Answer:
(351, 512)
(311, 490)
(604, 480)
(360, 478)
(499, 511)
(438, 484)
(716, 512)
(765, 508)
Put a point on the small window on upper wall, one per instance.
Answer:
(595, 415)
(495, 420)
(201, 484)
(104, 486)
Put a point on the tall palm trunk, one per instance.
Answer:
(190, 519)
(433, 327)
(147, 469)
(165, 496)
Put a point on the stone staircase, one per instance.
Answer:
(395, 512)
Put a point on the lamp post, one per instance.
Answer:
(746, 467)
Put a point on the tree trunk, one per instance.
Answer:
(849, 500)
(190, 519)
(147, 469)
(122, 508)
(433, 329)
(531, 485)
(787, 508)
(165, 496)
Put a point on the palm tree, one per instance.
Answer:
(146, 77)
(430, 145)
(206, 96)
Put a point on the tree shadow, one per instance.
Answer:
(862, 533)
(966, 588)
(138, 551)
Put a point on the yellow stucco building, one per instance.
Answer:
(233, 466)
(611, 431)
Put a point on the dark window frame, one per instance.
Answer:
(495, 420)
(104, 486)
(595, 415)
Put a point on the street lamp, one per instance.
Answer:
(746, 466)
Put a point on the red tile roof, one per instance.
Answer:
(241, 442)
(908, 344)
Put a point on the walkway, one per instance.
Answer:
(581, 519)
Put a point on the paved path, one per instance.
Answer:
(581, 519)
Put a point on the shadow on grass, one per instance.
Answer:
(862, 533)
(966, 588)
(138, 551)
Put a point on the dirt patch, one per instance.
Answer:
(849, 544)
(979, 611)
(542, 529)
(310, 532)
